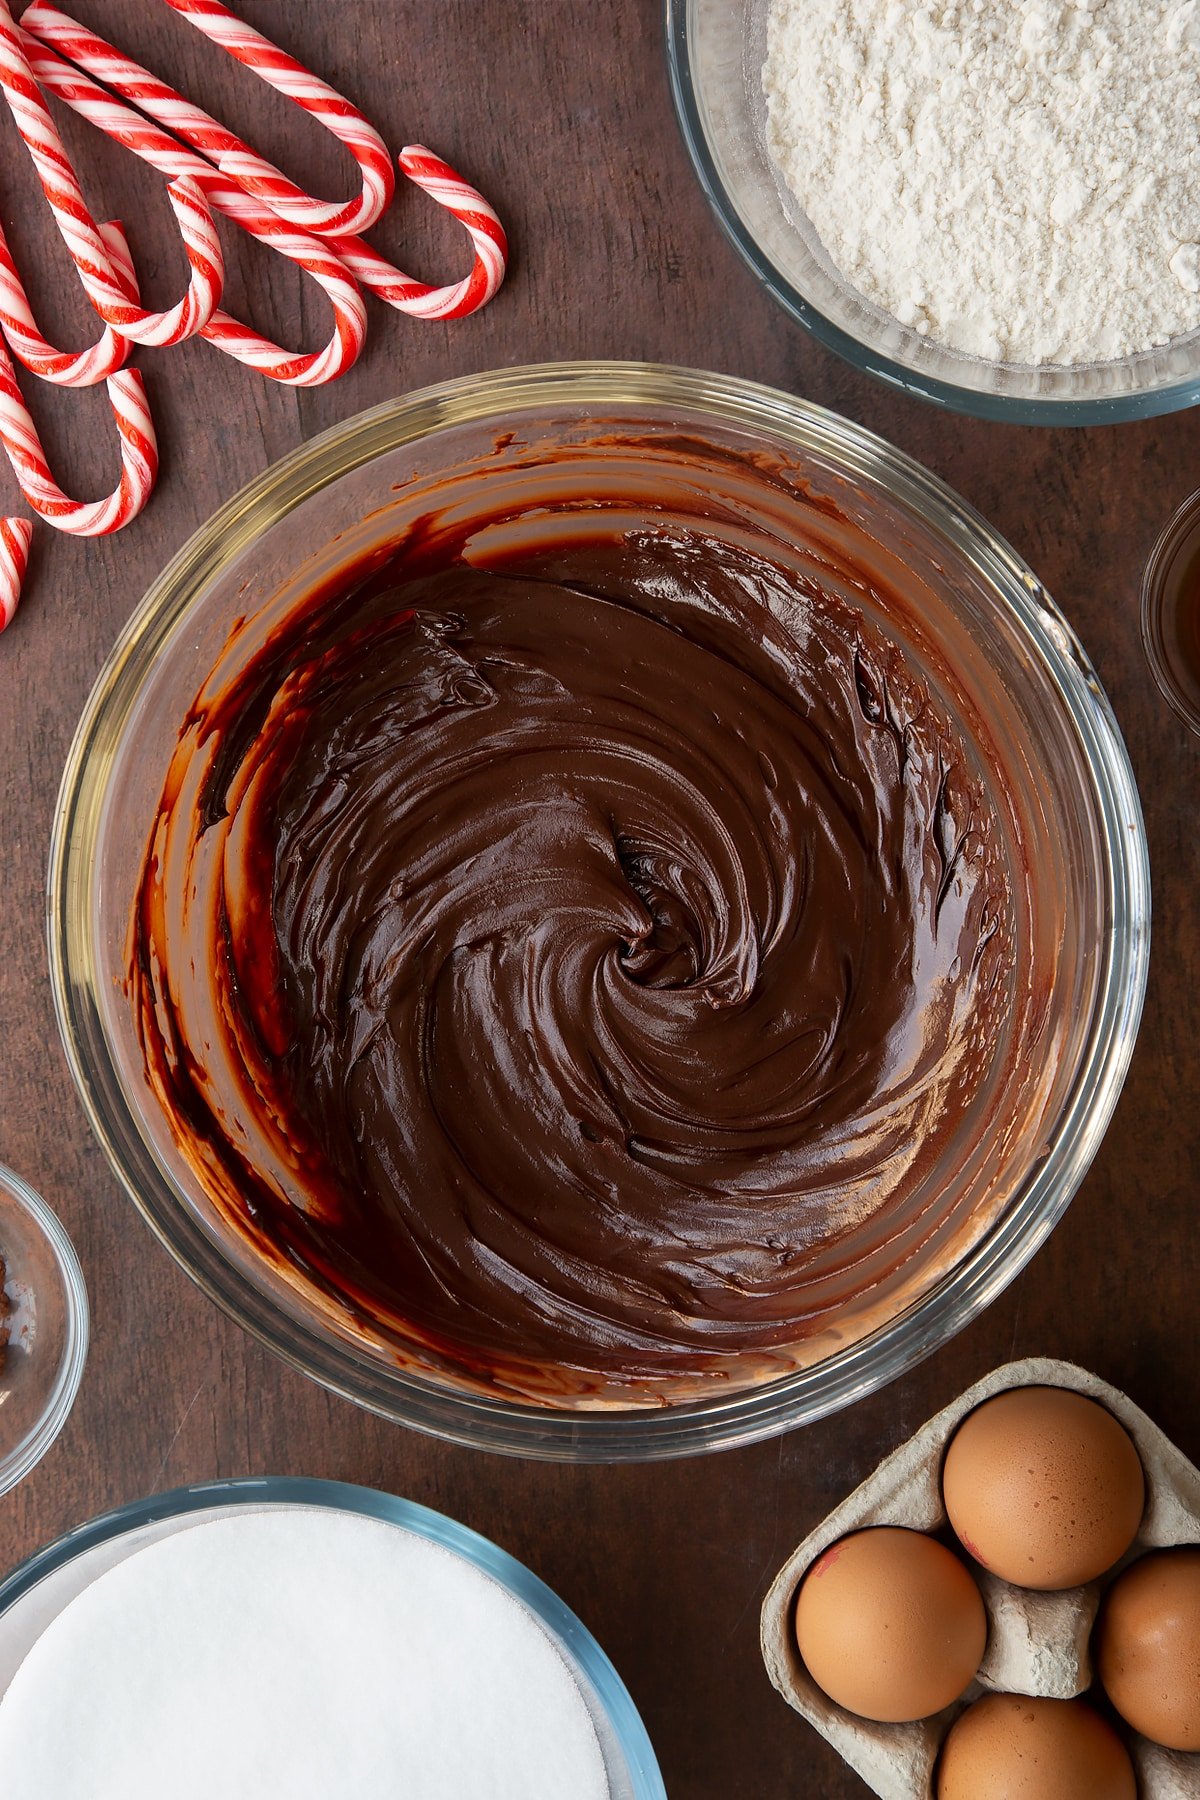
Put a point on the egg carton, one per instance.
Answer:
(1037, 1642)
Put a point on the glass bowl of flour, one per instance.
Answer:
(995, 206)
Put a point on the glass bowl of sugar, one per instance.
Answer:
(296, 1637)
(993, 208)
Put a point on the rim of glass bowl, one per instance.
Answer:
(614, 1697)
(626, 1434)
(1180, 528)
(1013, 409)
(25, 1456)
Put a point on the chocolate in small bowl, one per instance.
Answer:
(445, 555)
(43, 1328)
(1171, 612)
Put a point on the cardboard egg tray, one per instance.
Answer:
(1037, 1642)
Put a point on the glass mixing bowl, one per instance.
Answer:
(1019, 674)
(33, 1595)
(716, 50)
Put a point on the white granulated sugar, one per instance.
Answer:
(296, 1655)
(1017, 179)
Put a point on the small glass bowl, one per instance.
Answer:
(352, 493)
(716, 50)
(36, 1592)
(48, 1329)
(1174, 559)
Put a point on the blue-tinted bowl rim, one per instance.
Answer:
(1008, 409)
(342, 1496)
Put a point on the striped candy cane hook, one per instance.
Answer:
(79, 230)
(139, 457)
(66, 82)
(323, 103)
(16, 536)
(65, 368)
(467, 205)
(81, 47)
(235, 159)
(120, 256)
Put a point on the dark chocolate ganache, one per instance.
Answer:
(570, 969)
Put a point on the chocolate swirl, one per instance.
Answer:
(574, 968)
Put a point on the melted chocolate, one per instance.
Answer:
(572, 967)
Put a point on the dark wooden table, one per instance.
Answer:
(561, 114)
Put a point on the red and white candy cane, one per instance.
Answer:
(253, 172)
(16, 536)
(160, 102)
(472, 211)
(139, 457)
(121, 257)
(421, 166)
(148, 141)
(82, 235)
(65, 368)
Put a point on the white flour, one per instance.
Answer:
(1019, 179)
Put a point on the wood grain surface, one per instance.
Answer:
(561, 113)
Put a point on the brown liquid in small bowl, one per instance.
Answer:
(1171, 612)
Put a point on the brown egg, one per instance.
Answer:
(1008, 1747)
(890, 1624)
(1148, 1647)
(1043, 1487)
